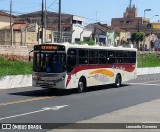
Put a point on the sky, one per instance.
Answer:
(92, 10)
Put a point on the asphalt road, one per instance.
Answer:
(36, 105)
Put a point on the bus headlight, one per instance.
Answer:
(34, 77)
(63, 77)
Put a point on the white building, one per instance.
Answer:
(79, 32)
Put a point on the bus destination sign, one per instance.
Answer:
(49, 48)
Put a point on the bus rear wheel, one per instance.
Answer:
(118, 81)
(81, 85)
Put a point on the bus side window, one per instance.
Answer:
(83, 56)
(126, 58)
(111, 57)
(103, 57)
(93, 57)
(71, 63)
(119, 59)
(71, 59)
(132, 57)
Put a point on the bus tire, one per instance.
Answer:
(81, 85)
(118, 81)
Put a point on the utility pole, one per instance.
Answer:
(59, 23)
(45, 21)
(11, 31)
(138, 25)
(42, 20)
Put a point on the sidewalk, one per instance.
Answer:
(148, 112)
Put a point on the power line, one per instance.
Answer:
(27, 3)
(51, 4)
(8, 11)
(30, 7)
(92, 19)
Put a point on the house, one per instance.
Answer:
(107, 35)
(71, 25)
(121, 37)
(5, 19)
(23, 34)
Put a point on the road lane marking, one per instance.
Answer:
(152, 81)
(26, 100)
(37, 111)
(144, 84)
(54, 107)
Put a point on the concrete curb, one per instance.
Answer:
(18, 81)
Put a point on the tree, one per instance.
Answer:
(88, 41)
(138, 37)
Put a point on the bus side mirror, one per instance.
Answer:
(29, 58)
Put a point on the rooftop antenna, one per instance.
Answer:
(96, 15)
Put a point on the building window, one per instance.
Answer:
(50, 36)
(77, 40)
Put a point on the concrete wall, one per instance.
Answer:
(5, 37)
(148, 70)
(15, 81)
(14, 50)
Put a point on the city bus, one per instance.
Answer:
(68, 66)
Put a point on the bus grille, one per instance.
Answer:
(47, 75)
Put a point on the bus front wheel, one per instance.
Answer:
(118, 81)
(81, 85)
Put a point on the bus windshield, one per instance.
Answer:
(49, 62)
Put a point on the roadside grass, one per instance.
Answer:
(10, 67)
(148, 60)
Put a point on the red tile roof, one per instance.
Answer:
(5, 14)
(63, 25)
(116, 29)
(17, 26)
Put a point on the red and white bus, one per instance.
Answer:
(67, 66)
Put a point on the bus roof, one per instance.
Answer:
(86, 46)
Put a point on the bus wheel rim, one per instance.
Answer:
(118, 81)
(81, 85)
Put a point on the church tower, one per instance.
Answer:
(131, 11)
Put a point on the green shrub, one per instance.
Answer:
(8, 67)
(148, 60)
(88, 41)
